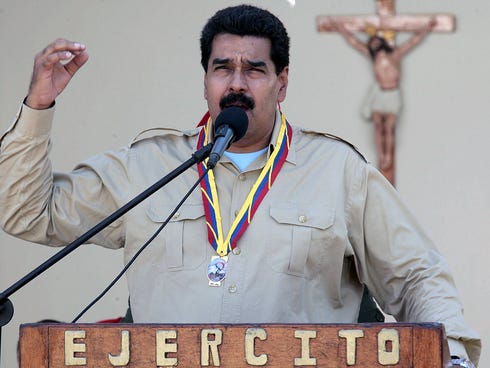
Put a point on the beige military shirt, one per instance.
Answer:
(329, 224)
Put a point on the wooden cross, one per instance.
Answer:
(385, 19)
(386, 24)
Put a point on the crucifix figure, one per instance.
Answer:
(383, 103)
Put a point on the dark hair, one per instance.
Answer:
(247, 20)
(383, 45)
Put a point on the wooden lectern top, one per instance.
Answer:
(235, 346)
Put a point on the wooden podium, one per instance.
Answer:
(234, 346)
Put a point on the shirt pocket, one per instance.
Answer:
(304, 231)
(182, 243)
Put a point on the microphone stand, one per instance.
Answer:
(6, 306)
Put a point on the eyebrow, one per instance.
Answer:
(255, 64)
(218, 61)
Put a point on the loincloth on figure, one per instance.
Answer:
(381, 100)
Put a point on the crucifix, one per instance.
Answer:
(383, 103)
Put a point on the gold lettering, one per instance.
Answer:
(351, 337)
(388, 347)
(122, 359)
(250, 336)
(163, 347)
(71, 348)
(208, 346)
(305, 337)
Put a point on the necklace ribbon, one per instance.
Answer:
(260, 188)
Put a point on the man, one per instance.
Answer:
(384, 102)
(297, 220)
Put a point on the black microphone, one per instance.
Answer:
(230, 126)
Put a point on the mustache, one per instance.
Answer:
(237, 99)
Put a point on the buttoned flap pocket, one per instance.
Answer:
(303, 230)
(182, 243)
(317, 216)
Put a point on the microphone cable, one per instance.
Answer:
(143, 247)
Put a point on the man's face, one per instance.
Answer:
(241, 73)
(377, 44)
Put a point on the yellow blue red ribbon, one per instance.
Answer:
(259, 190)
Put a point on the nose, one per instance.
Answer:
(238, 83)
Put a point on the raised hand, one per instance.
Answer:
(53, 69)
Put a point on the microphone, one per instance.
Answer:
(230, 126)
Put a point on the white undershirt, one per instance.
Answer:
(242, 160)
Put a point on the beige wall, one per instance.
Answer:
(144, 71)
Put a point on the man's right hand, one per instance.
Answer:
(53, 69)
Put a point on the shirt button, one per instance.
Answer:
(237, 251)
(177, 215)
(302, 219)
(241, 177)
(232, 289)
(236, 213)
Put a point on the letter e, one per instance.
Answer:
(163, 347)
(71, 347)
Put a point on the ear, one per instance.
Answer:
(283, 84)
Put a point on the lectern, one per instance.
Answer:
(269, 345)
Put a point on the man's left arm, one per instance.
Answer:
(403, 269)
